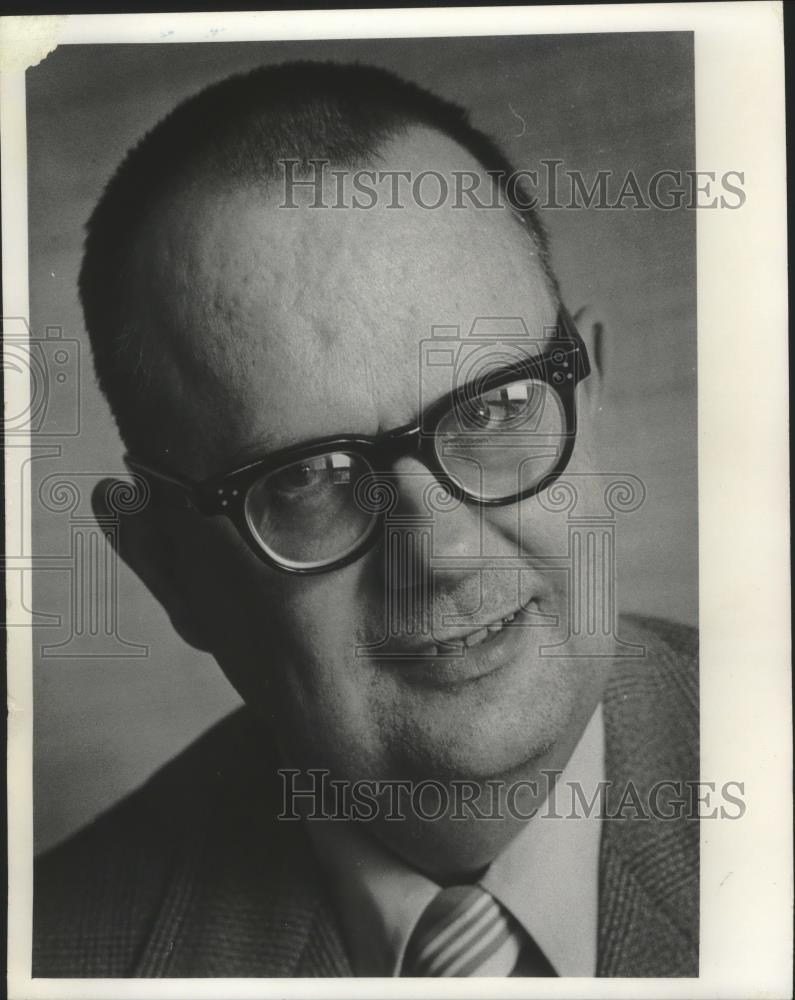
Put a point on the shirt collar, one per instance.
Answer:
(547, 877)
(379, 897)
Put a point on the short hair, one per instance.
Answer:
(241, 128)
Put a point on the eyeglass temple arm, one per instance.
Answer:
(175, 490)
(571, 331)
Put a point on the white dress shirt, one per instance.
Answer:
(547, 877)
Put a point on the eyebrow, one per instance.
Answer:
(259, 450)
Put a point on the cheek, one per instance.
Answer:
(327, 698)
(290, 638)
(531, 528)
(544, 520)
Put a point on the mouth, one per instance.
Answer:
(456, 643)
(464, 655)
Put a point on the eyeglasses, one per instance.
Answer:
(499, 438)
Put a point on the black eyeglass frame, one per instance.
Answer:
(562, 367)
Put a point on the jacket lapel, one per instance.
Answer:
(246, 897)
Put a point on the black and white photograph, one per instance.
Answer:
(396, 552)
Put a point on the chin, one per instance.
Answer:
(455, 848)
(449, 849)
(495, 737)
(506, 759)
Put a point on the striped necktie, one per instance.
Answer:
(463, 932)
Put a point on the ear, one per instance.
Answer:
(591, 326)
(146, 542)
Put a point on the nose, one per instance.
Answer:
(434, 542)
(429, 537)
(444, 525)
(435, 553)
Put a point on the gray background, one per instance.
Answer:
(105, 719)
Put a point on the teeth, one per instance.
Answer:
(482, 634)
(449, 647)
(477, 637)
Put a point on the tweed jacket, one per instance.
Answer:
(191, 876)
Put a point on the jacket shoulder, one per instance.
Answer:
(649, 876)
(96, 894)
(667, 663)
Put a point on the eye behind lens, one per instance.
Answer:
(305, 514)
(504, 441)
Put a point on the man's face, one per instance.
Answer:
(287, 325)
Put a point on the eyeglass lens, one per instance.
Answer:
(496, 444)
(502, 442)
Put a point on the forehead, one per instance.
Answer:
(283, 324)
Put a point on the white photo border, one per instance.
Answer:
(746, 865)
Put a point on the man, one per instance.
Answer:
(364, 530)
